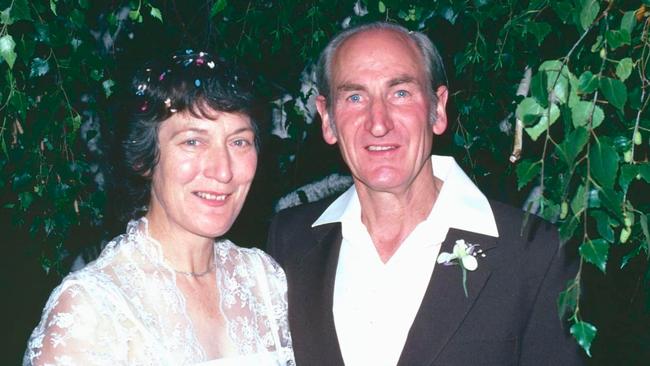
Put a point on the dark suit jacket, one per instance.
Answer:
(509, 318)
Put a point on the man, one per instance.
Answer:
(364, 285)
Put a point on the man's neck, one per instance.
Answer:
(391, 217)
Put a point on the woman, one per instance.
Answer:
(165, 293)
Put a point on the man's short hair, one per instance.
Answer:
(434, 68)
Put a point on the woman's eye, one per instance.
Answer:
(242, 143)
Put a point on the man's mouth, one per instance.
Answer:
(380, 148)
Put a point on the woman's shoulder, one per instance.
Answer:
(251, 258)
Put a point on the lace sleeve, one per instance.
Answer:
(254, 302)
(277, 293)
(73, 331)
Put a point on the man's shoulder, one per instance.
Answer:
(303, 215)
(291, 233)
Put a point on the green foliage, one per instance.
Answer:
(584, 333)
(583, 110)
(54, 70)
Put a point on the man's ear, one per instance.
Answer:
(440, 125)
(329, 135)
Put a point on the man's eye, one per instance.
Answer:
(402, 93)
(354, 98)
(191, 142)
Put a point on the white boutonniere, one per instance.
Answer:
(463, 255)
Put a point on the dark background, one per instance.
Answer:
(617, 302)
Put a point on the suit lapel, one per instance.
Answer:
(444, 305)
(318, 271)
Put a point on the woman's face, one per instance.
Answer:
(205, 169)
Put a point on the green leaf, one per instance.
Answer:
(7, 46)
(584, 111)
(557, 79)
(20, 103)
(218, 7)
(76, 123)
(628, 174)
(563, 9)
(604, 163)
(573, 145)
(53, 6)
(579, 201)
(538, 29)
(528, 110)
(644, 171)
(568, 299)
(584, 333)
(624, 68)
(539, 89)
(615, 91)
(588, 82)
(613, 201)
(108, 85)
(595, 252)
(543, 124)
(604, 225)
(155, 12)
(628, 21)
(96, 74)
(135, 16)
(567, 228)
(39, 67)
(78, 19)
(381, 7)
(629, 256)
(526, 171)
(588, 13)
(643, 221)
(20, 10)
(617, 38)
(5, 17)
(25, 199)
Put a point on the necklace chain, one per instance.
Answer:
(196, 274)
(193, 274)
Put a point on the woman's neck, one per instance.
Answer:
(184, 251)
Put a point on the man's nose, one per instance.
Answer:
(379, 122)
(218, 165)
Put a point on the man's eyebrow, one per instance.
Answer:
(350, 87)
(405, 79)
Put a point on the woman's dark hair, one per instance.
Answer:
(188, 82)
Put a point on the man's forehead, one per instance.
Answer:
(388, 52)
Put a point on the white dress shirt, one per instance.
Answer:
(375, 303)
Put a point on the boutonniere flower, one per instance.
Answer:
(463, 255)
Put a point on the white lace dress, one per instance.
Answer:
(125, 309)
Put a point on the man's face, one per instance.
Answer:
(380, 109)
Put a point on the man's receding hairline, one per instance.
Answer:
(412, 44)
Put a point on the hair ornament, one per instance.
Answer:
(140, 89)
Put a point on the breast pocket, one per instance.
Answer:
(479, 353)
